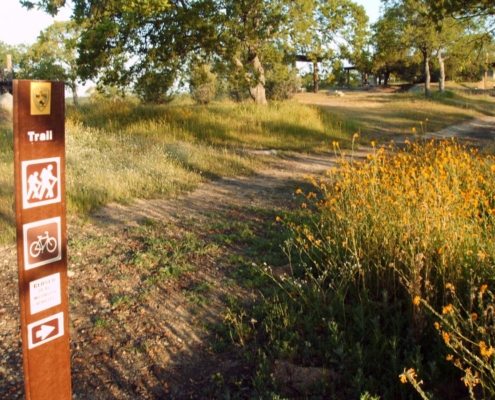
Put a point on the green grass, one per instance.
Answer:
(119, 151)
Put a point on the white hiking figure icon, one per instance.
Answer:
(38, 247)
(34, 185)
(39, 189)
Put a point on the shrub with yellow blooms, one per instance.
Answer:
(406, 227)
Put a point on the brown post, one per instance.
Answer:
(39, 168)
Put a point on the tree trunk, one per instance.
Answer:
(427, 75)
(258, 92)
(386, 77)
(75, 97)
(441, 62)
(315, 77)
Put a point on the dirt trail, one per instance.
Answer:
(478, 132)
(261, 190)
(158, 349)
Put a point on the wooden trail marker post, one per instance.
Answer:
(39, 168)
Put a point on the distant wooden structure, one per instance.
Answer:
(348, 77)
(303, 58)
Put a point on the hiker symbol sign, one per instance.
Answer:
(40, 182)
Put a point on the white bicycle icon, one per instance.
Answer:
(43, 242)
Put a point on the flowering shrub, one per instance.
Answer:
(423, 217)
(401, 228)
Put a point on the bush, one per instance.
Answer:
(282, 85)
(202, 84)
(153, 87)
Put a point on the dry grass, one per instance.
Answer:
(383, 114)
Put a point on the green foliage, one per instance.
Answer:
(338, 76)
(161, 38)
(17, 53)
(282, 82)
(54, 56)
(467, 8)
(202, 84)
(409, 37)
(153, 86)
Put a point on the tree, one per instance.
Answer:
(54, 56)
(327, 31)
(392, 47)
(410, 27)
(16, 53)
(130, 42)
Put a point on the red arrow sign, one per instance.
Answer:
(45, 330)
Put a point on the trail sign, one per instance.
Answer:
(39, 169)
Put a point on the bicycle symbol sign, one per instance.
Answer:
(40, 182)
(42, 242)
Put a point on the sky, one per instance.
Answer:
(20, 26)
(17, 25)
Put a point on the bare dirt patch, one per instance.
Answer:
(140, 330)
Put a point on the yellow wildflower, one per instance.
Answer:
(481, 255)
(436, 325)
(449, 286)
(417, 300)
(298, 191)
(483, 288)
(484, 350)
(446, 337)
(449, 357)
(409, 374)
(447, 309)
